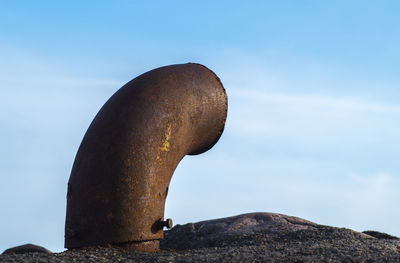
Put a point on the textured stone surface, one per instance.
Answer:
(215, 232)
(27, 248)
(379, 235)
(260, 237)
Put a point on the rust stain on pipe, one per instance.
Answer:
(120, 177)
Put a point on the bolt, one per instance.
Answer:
(167, 223)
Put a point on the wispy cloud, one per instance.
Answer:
(302, 102)
(43, 96)
(305, 117)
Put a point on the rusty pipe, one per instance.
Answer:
(121, 173)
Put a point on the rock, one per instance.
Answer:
(256, 237)
(27, 248)
(215, 232)
(379, 235)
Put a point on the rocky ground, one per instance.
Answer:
(256, 237)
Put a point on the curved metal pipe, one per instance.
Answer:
(120, 177)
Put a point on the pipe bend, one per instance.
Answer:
(121, 173)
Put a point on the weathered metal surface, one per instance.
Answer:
(120, 177)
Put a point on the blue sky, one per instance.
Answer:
(312, 127)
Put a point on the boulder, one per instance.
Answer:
(27, 248)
